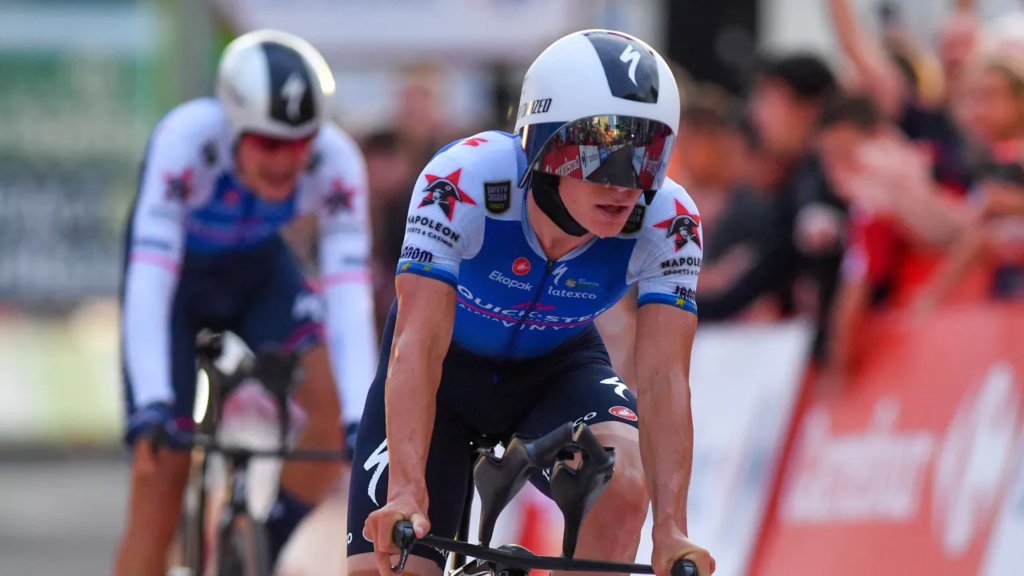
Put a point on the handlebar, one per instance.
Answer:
(405, 538)
(277, 370)
(210, 444)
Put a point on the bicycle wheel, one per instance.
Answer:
(243, 548)
(192, 530)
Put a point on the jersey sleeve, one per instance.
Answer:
(343, 215)
(669, 252)
(155, 252)
(445, 223)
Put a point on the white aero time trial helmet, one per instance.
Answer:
(274, 84)
(600, 106)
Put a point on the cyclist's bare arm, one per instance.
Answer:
(664, 338)
(423, 331)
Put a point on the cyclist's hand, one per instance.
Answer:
(671, 545)
(144, 420)
(381, 523)
(145, 425)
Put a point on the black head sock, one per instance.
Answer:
(545, 193)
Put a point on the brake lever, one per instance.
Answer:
(404, 537)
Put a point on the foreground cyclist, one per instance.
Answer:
(514, 244)
(220, 178)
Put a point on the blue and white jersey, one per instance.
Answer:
(191, 202)
(468, 226)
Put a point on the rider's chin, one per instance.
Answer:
(273, 191)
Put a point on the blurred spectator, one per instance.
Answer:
(711, 158)
(704, 156)
(805, 218)
(996, 236)
(394, 158)
(991, 104)
(895, 218)
(904, 81)
(993, 110)
(956, 44)
(418, 123)
(391, 175)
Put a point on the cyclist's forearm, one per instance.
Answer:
(666, 444)
(410, 396)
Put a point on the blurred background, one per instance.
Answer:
(859, 371)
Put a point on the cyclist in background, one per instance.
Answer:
(219, 179)
(513, 245)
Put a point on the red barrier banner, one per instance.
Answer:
(907, 471)
(910, 470)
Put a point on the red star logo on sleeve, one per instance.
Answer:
(179, 186)
(445, 193)
(474, 142)
(684, 227)
(340, 197)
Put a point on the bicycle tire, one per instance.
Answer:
(243, 549)
(193, 517)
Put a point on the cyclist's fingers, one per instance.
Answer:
(383, 563)
(382, 528)
(703, 560)
(420, 524)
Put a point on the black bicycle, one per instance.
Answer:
(241, 544)
(499, 479)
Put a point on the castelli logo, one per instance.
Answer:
(623, 412)
(521, 266)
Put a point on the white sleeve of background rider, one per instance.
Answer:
(155, 254)
(344, 267)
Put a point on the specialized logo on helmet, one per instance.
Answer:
(633, 58)
(445, 193)
(683, 226)
(293, 90)
(630, 68)
(291, 100)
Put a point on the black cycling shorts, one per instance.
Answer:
(256, 293)
(480, 397)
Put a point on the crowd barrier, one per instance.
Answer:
(916, 467)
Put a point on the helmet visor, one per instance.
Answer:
(613, 150)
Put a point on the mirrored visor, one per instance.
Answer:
(612, 150)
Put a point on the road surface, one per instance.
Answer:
(61, 517)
